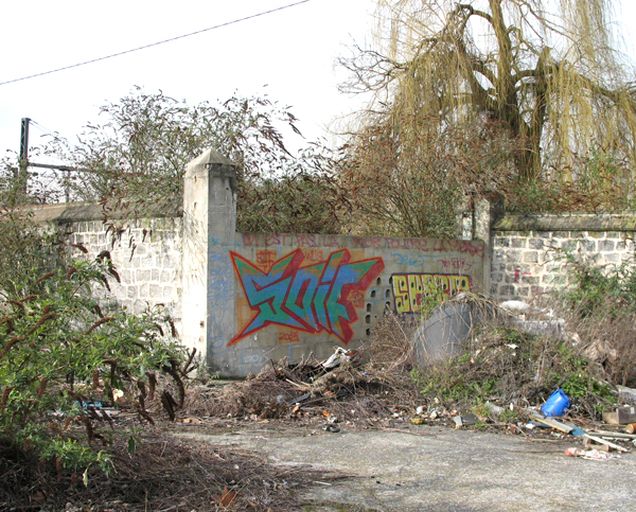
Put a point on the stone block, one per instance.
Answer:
(588, 245)
(530, 257)
(553, 279)
(143, 276)
(506, 291)
(611, 258)
(606, 245)
(536, 243)
(569, 245)
(125, 275)
(141, 249)
(537, 290)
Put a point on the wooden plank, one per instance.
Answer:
(551, 422)
(609, 433)
(600, 440)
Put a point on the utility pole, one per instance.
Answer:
(24, 157)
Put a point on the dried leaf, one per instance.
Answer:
(228, 497)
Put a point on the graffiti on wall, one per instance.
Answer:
(319, 296)
(410, 290)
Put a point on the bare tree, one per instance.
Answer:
(133, 159)
(544, 73)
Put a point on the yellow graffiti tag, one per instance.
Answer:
(409, 290)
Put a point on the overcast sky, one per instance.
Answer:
(293, 51)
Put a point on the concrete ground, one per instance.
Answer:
(430, 468)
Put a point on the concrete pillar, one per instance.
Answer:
(209, 231)
(481, 231)
(486, 214)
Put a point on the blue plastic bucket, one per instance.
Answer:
(556, 404)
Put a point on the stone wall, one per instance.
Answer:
(245, 298)
(146, 253)
(529, 252)
(250, 298)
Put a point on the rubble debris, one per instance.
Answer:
(592, 454)
(515, 306)
(341, 355)
(493, 409)
(630, 428)
(518, 311)
(465, 420)
(626, 395)
(621, 416)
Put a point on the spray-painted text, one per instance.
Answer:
(410, 290)
(311, 298)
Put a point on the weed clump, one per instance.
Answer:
(602, 307)
(505, 365)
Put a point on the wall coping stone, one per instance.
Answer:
(567, 222)
(87, 211)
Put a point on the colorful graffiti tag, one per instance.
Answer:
(409, 290)
(311, 298)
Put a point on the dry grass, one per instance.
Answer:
(609, 339)
(165, 474)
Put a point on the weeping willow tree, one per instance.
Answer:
(541, 78)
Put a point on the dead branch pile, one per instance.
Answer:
(349, 391)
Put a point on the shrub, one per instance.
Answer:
(58, 351)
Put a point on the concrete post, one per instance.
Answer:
(209, 231)
(487, 212)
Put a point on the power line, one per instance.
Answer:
(157, 43)
(44, 129)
